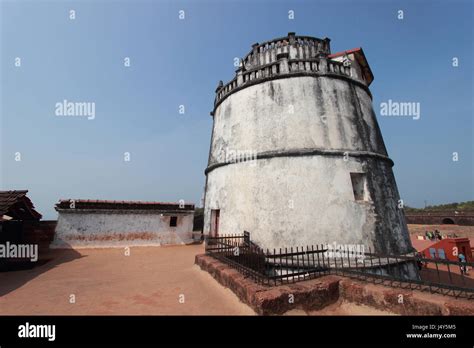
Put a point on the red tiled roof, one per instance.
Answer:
(17, 205)
(361, 59)
(338, 54)
(117, 205)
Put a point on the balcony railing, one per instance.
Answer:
(286, 67)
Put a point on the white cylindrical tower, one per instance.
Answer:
(297, 157)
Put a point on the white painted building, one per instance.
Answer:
(297, 157)
(99, 223)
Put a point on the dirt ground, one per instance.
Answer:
(151, 281)
(148, 282)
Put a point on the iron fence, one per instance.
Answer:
(293, 264)
(269, 267)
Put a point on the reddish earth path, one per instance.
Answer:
(151, 281)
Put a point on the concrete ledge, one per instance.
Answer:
(305, 153)
(315, 294)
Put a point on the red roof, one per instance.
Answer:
(65, 204)
(360, 57)
(338, 54)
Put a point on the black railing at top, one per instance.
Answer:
(289, 265)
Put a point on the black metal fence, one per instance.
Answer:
(290, 265)
(269, 267)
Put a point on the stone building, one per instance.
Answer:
(101, 223)
(297, 156)
(22, 229)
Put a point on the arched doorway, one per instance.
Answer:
(448, 221)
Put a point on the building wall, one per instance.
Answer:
(39, 232)
(299, 190)
(452, 248)
(116, 228)
(306, 201)
(438, 218)
(328, 113)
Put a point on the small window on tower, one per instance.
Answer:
(359, 186)
(173, 221)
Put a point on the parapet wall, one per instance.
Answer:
(298, 47)
(78, 228)
(286, 67)
(441, 217)
(287, 56)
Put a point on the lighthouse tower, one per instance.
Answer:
(297, 157)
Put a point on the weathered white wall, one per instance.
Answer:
(296, 201)
(301, 201)
(117, 228)
(325, 116)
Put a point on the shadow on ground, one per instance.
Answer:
(24, 273)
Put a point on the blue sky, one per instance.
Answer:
(179, 62)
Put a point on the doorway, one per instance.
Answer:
(215, 215)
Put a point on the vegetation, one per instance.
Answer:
(469, 205)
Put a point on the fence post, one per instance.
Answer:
(281, 267)
(380, 266)
(389, 270)
(266, 264)
(363, 264)
(292, 265)
(297, 262)
(371, 262)
(349, 260)
(342, 263)
(450, 278)
(273, 258)
(317, 254)
(303, 266)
